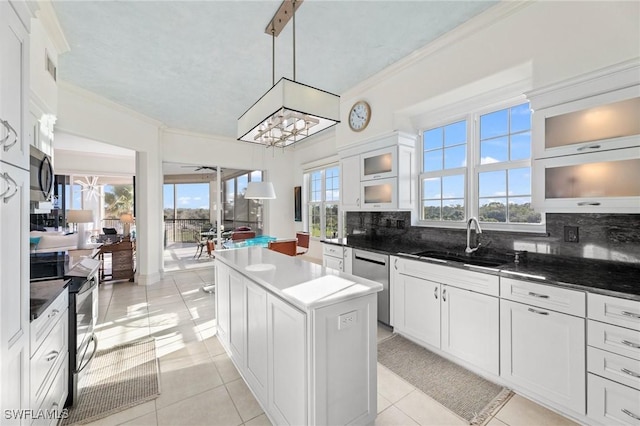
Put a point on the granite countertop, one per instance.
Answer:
(609, 278)
(43, 293)
(304, 284)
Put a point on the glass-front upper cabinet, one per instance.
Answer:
(379, 164)
(379, 194)
(597, 123)
(595, 182)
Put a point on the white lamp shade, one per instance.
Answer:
(80, 216)
(126, 218)
(260, 191)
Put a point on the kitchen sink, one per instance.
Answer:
(473, 259)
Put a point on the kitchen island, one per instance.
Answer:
(302, 336)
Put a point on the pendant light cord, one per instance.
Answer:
(273, 56)
(294, 40)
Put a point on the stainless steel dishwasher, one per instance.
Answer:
(374, 266)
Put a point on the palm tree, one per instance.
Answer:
(119, 201)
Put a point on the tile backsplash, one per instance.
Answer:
(599, 236)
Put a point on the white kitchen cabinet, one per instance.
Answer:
(613, 360)
(379, 164)
(14, 288)
(542, 352)
(287, 368)
(14, 88)
(444, 313)
(305, 363)
(222, 303)
(256, 330)
(49, 355)
(612, 403)
(416, 308)
(470, 327)
(333, 256)
(586, 143)
(350, 183)
(379, 174)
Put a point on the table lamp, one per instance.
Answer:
(80, 218)
(127, 220)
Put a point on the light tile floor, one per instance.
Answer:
(201, 386)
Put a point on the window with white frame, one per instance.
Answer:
(495, 185)
(323, 202)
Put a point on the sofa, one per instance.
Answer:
(44, 241)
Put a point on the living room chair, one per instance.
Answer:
(287, 247)
(303, 242)
(200, 245)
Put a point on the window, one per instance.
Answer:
(495, 185)
(237, 211)
(324, 199)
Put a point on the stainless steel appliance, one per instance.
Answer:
(41, 175)
(374, 266)
(83, 342)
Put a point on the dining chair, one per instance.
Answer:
(303, 242)
(287, 247)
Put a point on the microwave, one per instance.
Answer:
(41, 175)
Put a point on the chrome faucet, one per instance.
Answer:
(478, 231)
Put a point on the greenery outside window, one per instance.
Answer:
(323, 203)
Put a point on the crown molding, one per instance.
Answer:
(482, 21)
(49, 19)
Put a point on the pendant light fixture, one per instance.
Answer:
(290, 111)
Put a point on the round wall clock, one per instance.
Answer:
(359, 116)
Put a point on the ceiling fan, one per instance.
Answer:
(198, 168)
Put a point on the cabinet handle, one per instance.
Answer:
(584, 148)
(53, 313)
(630, 414)
(52, 355)
(630, 314)
(630, 373)
(10, 130)
(340, 263)
(358, 202)
(444, 295)
(535, 311)
(10, 180)
(435, 292)
(4, 176)
(633, 345)
(541, 296)
(588, 203)
(395, 264)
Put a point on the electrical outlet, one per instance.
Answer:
(571, 234)
(400, 224)
(347, 320)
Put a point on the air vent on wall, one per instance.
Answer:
(50, 66)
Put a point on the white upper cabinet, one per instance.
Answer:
(586, 143)
(14, 75)
(379, 174)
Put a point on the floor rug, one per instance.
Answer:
(118, 378)
(465, 393)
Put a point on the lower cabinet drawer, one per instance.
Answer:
(41, 326)
(48, 357)
(612, 403)
(619, 340)
(614, 367)
(52, 406)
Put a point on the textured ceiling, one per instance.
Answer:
(199, 65)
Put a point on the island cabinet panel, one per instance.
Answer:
(543, 351)
(236, 315)
(470, 327)
(256, 309)
(307, 352)
(222, 303)
(287, 370)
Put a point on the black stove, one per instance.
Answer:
(49, 266)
